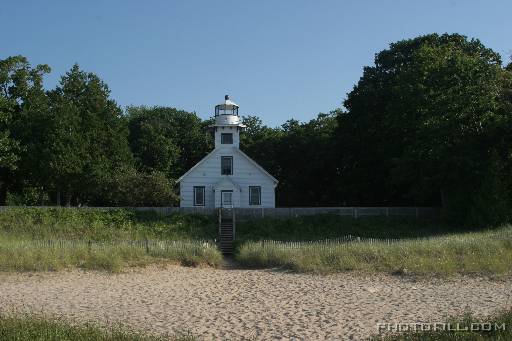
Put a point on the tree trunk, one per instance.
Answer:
(443, 198)
(58, 197)
(41, 196)
(68, 199)
(3, 193)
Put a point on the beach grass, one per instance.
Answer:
(50, 239)
(41, 239)
(53, 255)
(487, 252)
(31, 327)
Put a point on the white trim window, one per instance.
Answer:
(226, 165)
(254, 195)
(226, 198)
(199, 195)
(226, 138)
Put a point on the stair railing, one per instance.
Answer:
(220, 219)
(233, 212)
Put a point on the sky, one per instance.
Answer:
(277, 59)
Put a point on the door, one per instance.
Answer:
(226, 199)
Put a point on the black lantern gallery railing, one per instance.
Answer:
(227, 108)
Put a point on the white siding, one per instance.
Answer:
(230, 130)
(245, 174)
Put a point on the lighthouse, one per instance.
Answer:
(227, 177)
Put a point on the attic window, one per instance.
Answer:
(226, 165)
(226, 138)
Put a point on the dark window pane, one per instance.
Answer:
(226, 165)
(254, 195)
(226, 138)
(199, 196)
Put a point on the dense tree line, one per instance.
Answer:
(429, 124)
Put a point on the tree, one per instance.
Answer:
(8, 146)
(21, 96)
(424, 125)
(299, 154)
(132, 188)
(261, 143)
(87, 138)
(167, 140)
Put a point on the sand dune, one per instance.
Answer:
(236, 304)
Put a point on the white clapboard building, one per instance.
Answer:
(227, 177)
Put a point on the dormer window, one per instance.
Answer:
(226, 138)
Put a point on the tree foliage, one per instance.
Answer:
(21, 95)
(88, 139)
(430, 123)
(167, 140)
(427, 125)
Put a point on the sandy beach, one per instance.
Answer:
(234, 304)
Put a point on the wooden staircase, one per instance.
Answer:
(226, 230)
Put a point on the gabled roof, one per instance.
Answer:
(237, 150)
(196, 165)
(257, 166)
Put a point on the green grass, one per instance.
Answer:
(95, 224)
(487, 252)
(34, 239)
(327, 226)
(31, 327)
(494, 323)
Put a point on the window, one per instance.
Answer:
(226, 165)
(226, 138)
(198, 195)
(254, 195)
(227, 198)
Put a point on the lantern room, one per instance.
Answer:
(227, 113)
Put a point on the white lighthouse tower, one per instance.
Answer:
(227, 125)
(227, 177)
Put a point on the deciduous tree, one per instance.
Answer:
(424, 125)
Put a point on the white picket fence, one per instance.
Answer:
(147, 246)
(349, 240)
